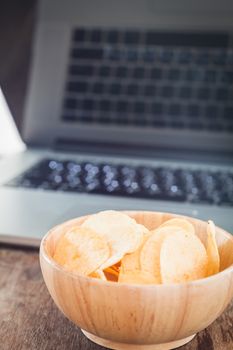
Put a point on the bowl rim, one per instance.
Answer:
(60, 268)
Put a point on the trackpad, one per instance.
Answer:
(91, 207)
(90, 204)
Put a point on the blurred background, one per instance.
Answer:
(17, 23)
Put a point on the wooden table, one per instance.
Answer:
(30, 320)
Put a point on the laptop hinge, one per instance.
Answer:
(133, 150)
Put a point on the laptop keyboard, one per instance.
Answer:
(164, 183)
(147, 78)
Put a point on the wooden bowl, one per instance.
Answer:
(148, 317)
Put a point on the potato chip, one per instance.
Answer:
(121, 232)
(111, 271)
(98, 274)
(81, 250)
(212, 250)
(116, 267)
(131, 268)
(150, 253)
(111, 275)
(183, 258)
(131, 261)
(179, 222)
(136, 277)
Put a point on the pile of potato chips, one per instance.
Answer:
(112, 246)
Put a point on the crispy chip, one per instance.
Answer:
(131, 261)
(131, 272)
(136, 277)
(116, 267)
(111, 271)
(112, 246)
(183, 258)
(81, 250)
(212, 250)
(150, 253)
(111, 275)
(121, 232)
(98, 274)
(182, 223)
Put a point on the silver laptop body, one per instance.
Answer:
(130, 84)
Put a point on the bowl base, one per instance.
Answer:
(123, 346)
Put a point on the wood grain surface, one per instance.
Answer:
(30, 320)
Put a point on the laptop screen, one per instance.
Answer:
(132, 72)
(150, 79)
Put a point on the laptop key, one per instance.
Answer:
(71, 187)
(193, 110)
(104, 71)
(138, 73)
(121, 106)
(185, 92)
(211, 111)
(139, 107)
(112, 187)
(174, 74)
(88, 53)
(112, 36)
(132, 37)
(139, 120)
(196, 125)
(132, 55)
(228, 113)
(96, 35)
(77, 86)
(98, 88)
(157, 108)
(194, 75)
(121, 71)
(149, 90)
(170, 185)
(73, 168)
(166, 56)
(221, 94)
(210, 76)
(203, 58)
(81, 70)
(115, 54)
(174, 109)
(227, 77)
(203, 93)
(79, 35)
(149, 55)
(184, 56)
(70, 103)
(215, 126)
(105, 105)
(103, 118)
(176, 123)
(167, 91)
(132, 89)
(156, 73)
(220, 58)
(88, 104)
(115, 89)
(93, 185)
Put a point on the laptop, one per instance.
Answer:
(129, 106)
